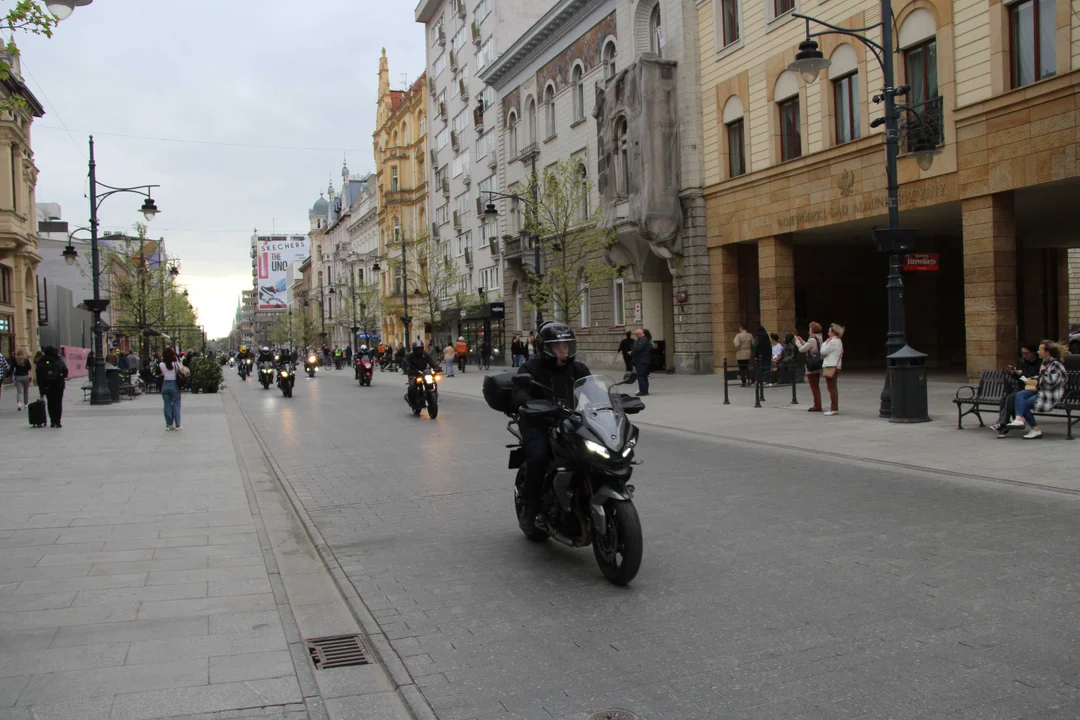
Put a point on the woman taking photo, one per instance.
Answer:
(832, 355)
(170, 389)
(1042, 393)
(811, 348)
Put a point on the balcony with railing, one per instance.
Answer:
(527, 152)
(401, 195)
(926, 130)
(399, 152)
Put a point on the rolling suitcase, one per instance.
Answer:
(36, 412)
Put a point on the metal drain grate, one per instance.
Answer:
(613, 714)
(338, 651)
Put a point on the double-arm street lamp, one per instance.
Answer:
(895, 241)
(490, 211)
(99, 392)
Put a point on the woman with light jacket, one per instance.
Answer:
(1049, 390)
(811, 347)
(832, 355)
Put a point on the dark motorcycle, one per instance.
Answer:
(587, 498)
(286, 378)
(266, 374)
(311, 364)
(244, 368)
(423, 391)
(365, 369)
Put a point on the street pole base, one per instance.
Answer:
(98, 399)
(911, 420)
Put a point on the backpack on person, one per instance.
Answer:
(814, 360)
(49, 373)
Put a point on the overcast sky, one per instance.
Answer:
(299, 76)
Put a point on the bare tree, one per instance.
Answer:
(432, 279)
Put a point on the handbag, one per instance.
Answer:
(814, 360)
(829, 372)
(1031, 384)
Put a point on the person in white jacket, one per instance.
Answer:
(832, 355)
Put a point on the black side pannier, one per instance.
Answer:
(498, 390)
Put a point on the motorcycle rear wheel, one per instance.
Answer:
(536, 535)
(618, 552)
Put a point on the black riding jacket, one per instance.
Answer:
(417, 362)
(560, 379)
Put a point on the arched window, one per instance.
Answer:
(844, 76)
(531, 117)
(583, 200)
(656, 32)
(419, 173)
(918, 43)
(736, 136)
(549, 110)
(577, 85)
(404, 133)
(786, 96)
(512, 124)
(609, 60)
(622, 159)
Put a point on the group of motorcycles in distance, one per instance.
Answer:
(279, 367)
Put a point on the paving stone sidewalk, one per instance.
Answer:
(695, 404)
(143, 574)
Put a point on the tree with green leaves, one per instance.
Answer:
(433, 280)
(305, 326)
(573, 241)
(28, 16)
(278, 332)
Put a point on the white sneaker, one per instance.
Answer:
(1017, 423)
(832, 412)
(178, 428)
(1033, 435)
(168, 427)
(18, 403)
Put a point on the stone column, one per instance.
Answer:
(693, 331)
(776, 270)
(989, 282)
(726, 316)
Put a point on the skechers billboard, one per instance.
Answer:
(276, 253)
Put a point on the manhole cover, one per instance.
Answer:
(338, 651)
(613, 714)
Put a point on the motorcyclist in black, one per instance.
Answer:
(416, 362)
(399, 356)
(553, 367)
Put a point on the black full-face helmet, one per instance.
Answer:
(553, 336)
(418, 345)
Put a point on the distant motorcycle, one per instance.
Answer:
(286, 378)
(365, 369)
(266, 373)
(311, 364)
(245, 368)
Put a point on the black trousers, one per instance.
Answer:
(537, 446)
(1008, 408)
(54, 402)
(628, 362)
(744, 371)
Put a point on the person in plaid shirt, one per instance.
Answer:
(1049, 390)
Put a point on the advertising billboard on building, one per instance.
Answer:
(275, 254)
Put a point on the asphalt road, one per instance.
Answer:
(774, 584)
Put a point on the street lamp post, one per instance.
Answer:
(491, 211)
(894, 241)
(99, 392)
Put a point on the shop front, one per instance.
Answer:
(480, 322)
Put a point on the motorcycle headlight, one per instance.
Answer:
(284, 373)
(277, 358)
(627, 451)
(428, 379)
(419, 380)
(438, 378)
(312, 359)
(597, 448)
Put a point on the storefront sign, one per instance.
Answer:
(924, 262)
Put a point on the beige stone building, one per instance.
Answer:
(795, 175)
(400, 167)
(18, 220)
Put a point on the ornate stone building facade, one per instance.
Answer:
(18, 220)
(795, 174)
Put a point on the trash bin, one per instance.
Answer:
(907, 377)
(113, 377)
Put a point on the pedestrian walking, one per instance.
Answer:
(762, 355)
(21, 371)
(448, 354)
(170, 369)
(832, 354)
(641, 354)
(1041, 394)
(625, 346)
(51, 373)
(485, 354)
(744, 353)
(530, 346)
(517, 350)
(811, 348)
(462, 350)
(41, 390)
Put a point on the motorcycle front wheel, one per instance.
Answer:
(618, 551)
(537, 536)
(433, 407)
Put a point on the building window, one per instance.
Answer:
(728, 23)
(578, 89)
(609, 60)
(736, 143)
(622, 161)
(846, 106)
(513, 133)
(549, 110)
(464, 241)
(586, 311)
(397, 236)
(1032, 27)
(489, 280)
(790, 137)
(781, 7)
(920, 63)
(618, 303)
(656, 32)
(6, 285)
(393, 179)
(583, 201)
(531, 117)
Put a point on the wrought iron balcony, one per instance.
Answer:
(926, 131)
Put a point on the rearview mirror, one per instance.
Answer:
(522, 380)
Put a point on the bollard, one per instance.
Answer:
(757, 384)
(726, 401)
(794, 377)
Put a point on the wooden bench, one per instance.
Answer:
(994, 386)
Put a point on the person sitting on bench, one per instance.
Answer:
(1029, 367)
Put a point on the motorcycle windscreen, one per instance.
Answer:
(596, 398)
